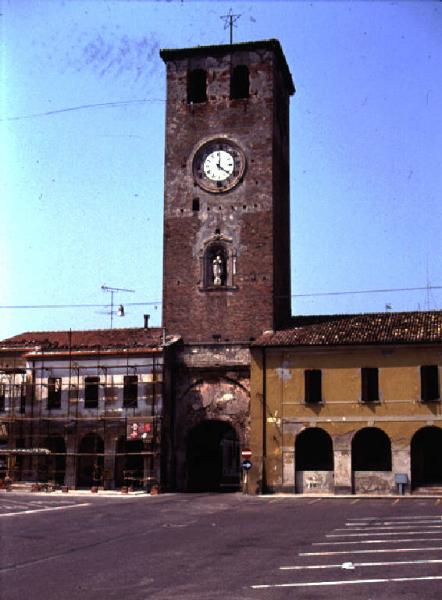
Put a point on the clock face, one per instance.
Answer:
(218, 165)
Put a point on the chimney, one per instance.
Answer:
(146, 321)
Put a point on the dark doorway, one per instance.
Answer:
(52, 467)
(213, 458)
(426, 457)
(370, 450)
(129, 467)
(90, 461)
(313, 450)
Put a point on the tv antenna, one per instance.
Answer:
(229, 21)
(112, 291)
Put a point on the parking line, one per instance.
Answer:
(347, 582)
(385, 522)
(388, 563)
(355, 501)
(315, 501)
(378, 534)
(394, 518)
(378, 541)
(395, 502)
(396, 527)
(370, 551)
(36, 510)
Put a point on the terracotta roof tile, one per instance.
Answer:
(88, 339)
(375, 328)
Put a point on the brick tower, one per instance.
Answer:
(226, 243)
(226, 218)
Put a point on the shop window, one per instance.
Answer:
(130, 391)
(313, 386)
(54, 392)
(91, 386)
(429, 383)
(239, 82)
(196, 86)
(369, 385)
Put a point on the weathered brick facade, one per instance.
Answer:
(252, 219)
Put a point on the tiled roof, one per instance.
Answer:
(374, 328)
(88, 339)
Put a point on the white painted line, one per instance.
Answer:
(395, 527)
(375, 524)
(370, 551)
(378, 534)
(347, 582)
(378, 541)
(389, 563)
(355, 501)
(395, 502)
(36, 510)
(394, 518)
(315, 501)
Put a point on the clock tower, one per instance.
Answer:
(226, 243)
(226, 218)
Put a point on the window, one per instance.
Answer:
(429, 383)
(196, 86)
(91, 392)
(312, 382)
(2, 397)
(54, 392)
(22, 398)
(239, 82)
(369, 385)
(130, 393)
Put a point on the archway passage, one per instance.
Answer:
(426, 457)
(90, 461)
(52, 467)
(129, 467)
(213, 458)
(371, 450)
(313, 450)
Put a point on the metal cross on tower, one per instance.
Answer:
(229, 21)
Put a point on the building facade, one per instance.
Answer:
(86, 408)
(226, 241)
(348, 404)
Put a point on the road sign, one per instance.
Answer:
(246, 465)
(246, 453)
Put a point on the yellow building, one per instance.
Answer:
(348, 404)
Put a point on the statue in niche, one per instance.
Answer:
(217, 270)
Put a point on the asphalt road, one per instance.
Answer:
(204, 547)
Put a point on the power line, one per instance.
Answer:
(76, 305)
(410, 289)
(159, 302)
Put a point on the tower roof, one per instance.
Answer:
(223, 49)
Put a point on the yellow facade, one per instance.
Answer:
(280, 414)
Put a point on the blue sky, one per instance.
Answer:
(82, 146)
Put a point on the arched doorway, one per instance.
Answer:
(313, 450)
(129, 466)
(52, 467)
(426, 457)
(314, 463)
(213, 458)
(370, 450)
(371, 462)
(90, 461)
